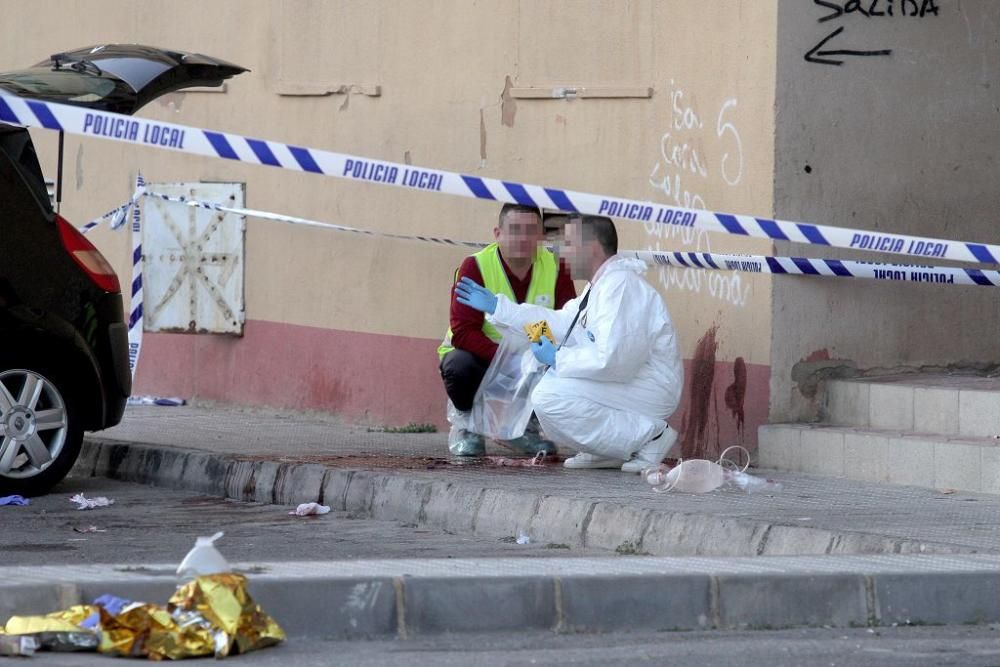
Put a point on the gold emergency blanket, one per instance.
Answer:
(211, 615)
(224, 601)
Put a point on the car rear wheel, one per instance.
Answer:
(40, 436)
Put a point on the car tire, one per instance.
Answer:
(39, 407)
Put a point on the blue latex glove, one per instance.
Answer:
(545, 352)
(112, 603)
(474, 295)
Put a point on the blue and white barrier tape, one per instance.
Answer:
(198, 141)
(839, 268)
(135, 311)
(714, 261)
(116, 215)
(278, 217)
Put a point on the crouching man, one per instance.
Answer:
(617, 376)
(518, 267)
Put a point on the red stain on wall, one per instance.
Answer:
(818, 355)
(736, 393)
(694, 444)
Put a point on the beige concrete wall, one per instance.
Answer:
(904, 142)
(448, 73)
(709, 144)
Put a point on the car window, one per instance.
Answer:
(64, 85)
(19, 164)
(136, 72)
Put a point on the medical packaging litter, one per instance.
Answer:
(211, 615)
(84, 503)
(703, 476)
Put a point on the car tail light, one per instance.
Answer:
(88, 257)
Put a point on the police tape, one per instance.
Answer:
(835, 268)
(116, 215)
(278, 217)
(136, 306)
(198, 141)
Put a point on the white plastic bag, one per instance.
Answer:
(502, 406)
(204, 558)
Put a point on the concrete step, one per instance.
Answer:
(930, 460)
(408, 598)
(953, 405)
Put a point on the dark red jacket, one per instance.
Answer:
(467, 323)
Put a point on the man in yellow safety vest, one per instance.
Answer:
(518, 266)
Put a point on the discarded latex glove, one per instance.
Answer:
(111, 603)
(170, 401)
(203, 559)
(84, 503)
(310, 509)
(523, 539)
(14, 500)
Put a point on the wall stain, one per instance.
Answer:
(173, 100)
(508, 105)
(818, 355)
(736, 393)
(482, 135)
(79, 167)
(693, 430)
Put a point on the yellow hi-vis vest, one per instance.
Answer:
(541, 291)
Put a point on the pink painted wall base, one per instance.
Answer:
(394, 380)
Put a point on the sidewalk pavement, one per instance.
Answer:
(823, 551)
(286, 458)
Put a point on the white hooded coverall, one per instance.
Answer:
(619, 376)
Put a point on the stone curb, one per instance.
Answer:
(411, 606)
(466, 508)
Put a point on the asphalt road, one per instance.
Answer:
(895, 647)
(156, 525)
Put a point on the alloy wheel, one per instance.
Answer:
(33, 423)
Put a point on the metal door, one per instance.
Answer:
(193, 260)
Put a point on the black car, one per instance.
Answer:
(64, 366)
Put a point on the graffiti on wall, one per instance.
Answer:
(830, 50)
(697, 149)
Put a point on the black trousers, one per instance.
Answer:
(462, 373)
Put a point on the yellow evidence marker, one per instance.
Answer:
(537, 330)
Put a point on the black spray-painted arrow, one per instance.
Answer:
(823, 60)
